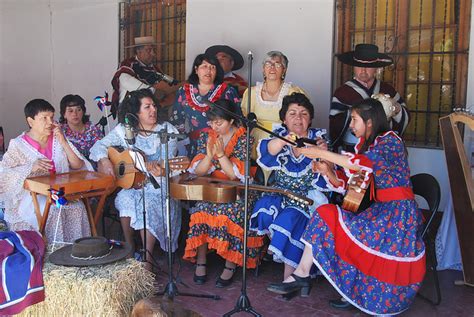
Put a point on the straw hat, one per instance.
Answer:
(90, 251)
(144, 40)
(238, 59)
(365, 55)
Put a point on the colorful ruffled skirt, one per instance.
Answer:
(221, 227)
(374, 259)
(284, 225)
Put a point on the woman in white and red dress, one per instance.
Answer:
(205, 83)
(376, 258)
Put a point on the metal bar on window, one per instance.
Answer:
(430, 72)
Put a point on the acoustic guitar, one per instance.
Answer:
(128, 175)
(191, 187)
(355, 193)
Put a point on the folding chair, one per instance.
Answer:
(426, 186)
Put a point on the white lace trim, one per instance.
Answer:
(285, 88)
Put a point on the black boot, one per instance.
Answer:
(302, 284)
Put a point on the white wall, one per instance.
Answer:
(301, 29)
(49, 48)
(25, 60)
(85, 49)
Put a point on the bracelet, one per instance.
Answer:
(219, 157)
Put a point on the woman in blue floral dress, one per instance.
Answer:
(140, 108)
(205, 83)
(280, 217)
(219, 226)
(376, 258)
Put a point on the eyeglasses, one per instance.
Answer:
(269, 64)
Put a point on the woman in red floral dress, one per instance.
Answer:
(376, 258)
(205, 83)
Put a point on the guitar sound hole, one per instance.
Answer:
(121, 169)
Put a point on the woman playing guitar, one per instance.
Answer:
(141, 104)
(375, 259)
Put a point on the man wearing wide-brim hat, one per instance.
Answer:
(230, 60)
(365, 59)
(140, 72)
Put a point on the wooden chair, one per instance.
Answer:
(427, 187)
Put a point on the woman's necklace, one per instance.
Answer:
(226, 138)
(148, 128)
(270, 95)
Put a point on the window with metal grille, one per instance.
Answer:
(166, 22)
(429, 42)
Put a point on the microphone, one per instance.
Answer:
(252, 117)
(251, 120)
(167, 79)
(129, 135)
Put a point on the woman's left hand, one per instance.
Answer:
(219, 147)
(58, 133)
(154, 168)
(322, 167)
(322, 144)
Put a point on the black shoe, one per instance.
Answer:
(268, 257)
(221, 283)
(302, 284)
(340, 304)
(200, 279)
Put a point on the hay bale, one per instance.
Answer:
(105, 290)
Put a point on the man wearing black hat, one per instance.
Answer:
(366, 59)
(230, 60)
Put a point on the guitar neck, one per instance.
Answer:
(262, 188)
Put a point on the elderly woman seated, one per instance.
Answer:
(42, 150)
(282, 217)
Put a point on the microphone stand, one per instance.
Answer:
(243, 302)
(171, 289)
(132, 147)
(103, 121)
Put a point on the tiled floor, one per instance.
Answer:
(456, 300)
